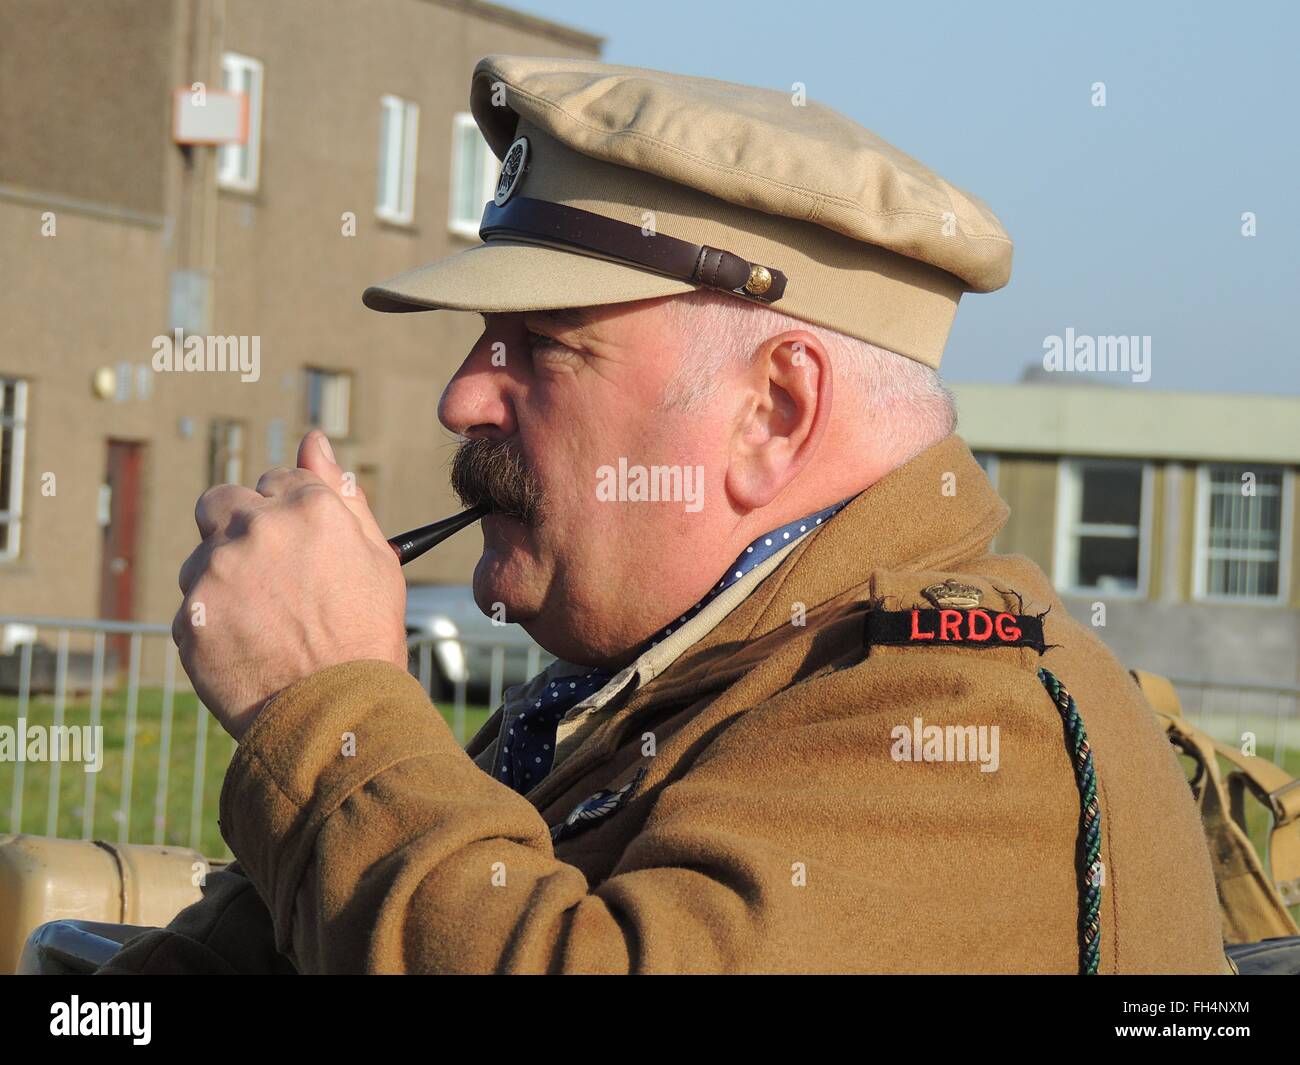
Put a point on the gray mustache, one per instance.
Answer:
(489, 473)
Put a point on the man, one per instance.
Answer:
(802, 719)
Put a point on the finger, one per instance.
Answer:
(181, 625)
(316, 455)
(194, 566)
(216, 506)
(282, 480)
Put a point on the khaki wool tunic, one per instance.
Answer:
(736, 801)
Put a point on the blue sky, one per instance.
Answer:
(1126, 218)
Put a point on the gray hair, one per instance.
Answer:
(901, 404)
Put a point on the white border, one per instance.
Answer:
(344, 378)
(1065, 544)
(226, 177)
(463, 227)
(409, 114)
(15, 518)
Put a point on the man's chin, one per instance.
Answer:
(501, 585)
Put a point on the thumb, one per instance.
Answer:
(316, 456)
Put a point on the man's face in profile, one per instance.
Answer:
(578, 391)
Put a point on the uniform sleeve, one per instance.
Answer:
(227, 932)
(795, 842)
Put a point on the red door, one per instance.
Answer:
(120, 513)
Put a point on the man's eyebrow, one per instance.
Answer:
(572, 317)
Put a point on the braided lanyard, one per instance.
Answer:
(1085, 775)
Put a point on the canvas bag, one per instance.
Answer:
(1253, 896)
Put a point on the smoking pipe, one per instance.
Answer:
(411, 545)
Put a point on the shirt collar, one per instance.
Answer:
(657, 653)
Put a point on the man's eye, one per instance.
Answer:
(540, 344)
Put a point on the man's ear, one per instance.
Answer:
(784, 415)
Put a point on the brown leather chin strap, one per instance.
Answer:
(571, 228)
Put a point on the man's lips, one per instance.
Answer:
(497, 516)
(503, 528)
(497, 509)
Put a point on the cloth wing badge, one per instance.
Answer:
(596, 808)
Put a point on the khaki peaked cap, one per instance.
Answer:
(623, 184)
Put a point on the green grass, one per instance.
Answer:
(186, 723)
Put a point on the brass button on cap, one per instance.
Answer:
(760, 280)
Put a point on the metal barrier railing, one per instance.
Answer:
(104, 680)
(423, 649)
(1233, 710)
(126, 684)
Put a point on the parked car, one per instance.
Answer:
(463, 641)
(42, 678)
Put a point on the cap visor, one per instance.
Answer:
(505, 276)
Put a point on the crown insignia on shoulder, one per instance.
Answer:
(953, 594)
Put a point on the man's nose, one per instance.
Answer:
(477, 400)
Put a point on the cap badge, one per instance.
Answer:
(512, 171)
(953, 594)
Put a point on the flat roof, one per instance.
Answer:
(529, 23)
(1129, 421)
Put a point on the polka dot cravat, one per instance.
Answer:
(528, 748)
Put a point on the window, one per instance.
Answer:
(237, 164)
(1240, 529)
(329, 395)
(226, 452)
(13, 431)
(399, 125)
(276, 430)
(989, 464)
(1102, 521)
(473, 176)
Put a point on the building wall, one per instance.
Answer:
(1156, 545)
(1198, 641)
(1029, 529)
(130, 208)
(86, 103)
(64, 313)
(1166, 629)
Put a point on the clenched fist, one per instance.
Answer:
(289, 579)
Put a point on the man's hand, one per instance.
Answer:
(288, 580)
